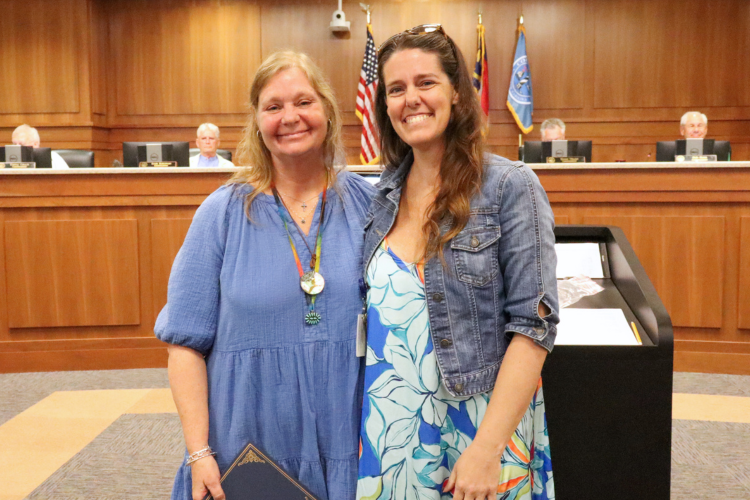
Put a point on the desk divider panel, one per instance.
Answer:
(72, 273)
(684, 258)
(167, 236)
(743, 300)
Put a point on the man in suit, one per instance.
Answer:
(25, 135)
(208, 142)
(694, 125)
(553, 129)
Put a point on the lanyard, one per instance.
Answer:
(311, 282)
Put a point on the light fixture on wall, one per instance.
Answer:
(339, 24)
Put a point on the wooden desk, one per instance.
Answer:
(86, 255)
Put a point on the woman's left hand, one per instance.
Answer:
(476, 474)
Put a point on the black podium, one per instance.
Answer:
(609, 408)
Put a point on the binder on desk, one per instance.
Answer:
(254, 476)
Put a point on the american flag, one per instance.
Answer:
(368, 82)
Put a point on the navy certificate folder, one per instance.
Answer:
(254, 476)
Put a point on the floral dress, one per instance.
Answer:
(413, 430)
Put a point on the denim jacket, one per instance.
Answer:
(499, 267)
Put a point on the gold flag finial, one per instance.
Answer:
(520, 20)
(366, 9)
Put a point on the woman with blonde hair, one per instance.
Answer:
(264, 296)
(462, 305)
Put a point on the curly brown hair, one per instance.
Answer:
(461, 167)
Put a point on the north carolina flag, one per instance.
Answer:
(520, 99)
(481, 73)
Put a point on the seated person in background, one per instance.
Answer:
(25, 135)
(553, 129)
(694, 125)
(208, 142)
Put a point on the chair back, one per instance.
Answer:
(77, 158)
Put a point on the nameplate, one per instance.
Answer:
(157, 164)
(566, 159)
(695, 158)
(17, 164)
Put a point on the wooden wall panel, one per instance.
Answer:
(99, 42)
(167, 236)
(684, 258)
(672, 53)
(176, 58)
(743, 300)
(614, 70)
(72, 273)
(40, 46)
(556, 49)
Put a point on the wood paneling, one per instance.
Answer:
(175, 58)
(167, 236)
(684, 258)
(72, 273)
(743, 306)
(672, 53)
(684, 224)
(99, 42)
(711, 362)
(556, 49)
(618, 72)
(40, 56)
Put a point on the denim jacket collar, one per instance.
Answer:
(391, 179)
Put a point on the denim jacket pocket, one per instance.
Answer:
(475, 253)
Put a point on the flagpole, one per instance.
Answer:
(366, 8)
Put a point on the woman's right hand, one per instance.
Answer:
(206, 479)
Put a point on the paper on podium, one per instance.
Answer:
(576, 259)
(594, 327)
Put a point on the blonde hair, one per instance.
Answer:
(253, 152)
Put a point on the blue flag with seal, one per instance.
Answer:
(520, 98)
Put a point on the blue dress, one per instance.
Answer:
(413, 430)
(292, 389)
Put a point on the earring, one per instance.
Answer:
(257, 132)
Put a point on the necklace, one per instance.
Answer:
(311, 282)
(302, 218)
(303, 204)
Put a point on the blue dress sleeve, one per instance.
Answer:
(190, 317)
(357, 194)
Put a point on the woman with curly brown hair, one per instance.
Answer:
(462, 301)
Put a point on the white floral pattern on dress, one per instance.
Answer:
(413, 430)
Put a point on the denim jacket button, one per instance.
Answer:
(474, 242)
(458, 388)
(540, 331)
(437, 297)
(445, 343)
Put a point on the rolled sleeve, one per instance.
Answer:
(190, 316)
(527, 257)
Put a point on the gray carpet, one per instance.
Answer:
(138, 455)
(19, 391)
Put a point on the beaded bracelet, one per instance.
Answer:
(205, 452)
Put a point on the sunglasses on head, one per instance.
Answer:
(422, 29)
